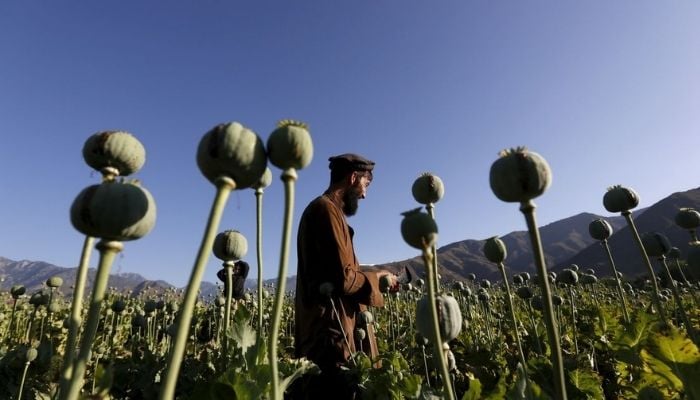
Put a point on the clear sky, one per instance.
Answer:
(607, 92)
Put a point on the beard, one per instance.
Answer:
(351, 201)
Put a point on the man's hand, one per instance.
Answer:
(392, 282)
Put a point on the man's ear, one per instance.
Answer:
(353, 177)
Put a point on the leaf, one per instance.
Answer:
(587, 382)
(474, 392)
(104, 379)
(680, 355)
(660, 371)
(303, 366)
(243, 334)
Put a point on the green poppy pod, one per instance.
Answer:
(449, 317)
(471, 276)
(384, 284)
(485, 283)
(366, 318)
(656, 244)
(524, 292)
(519, 175)
(233, 151)
(54, 282)
(590, 271)
(114, 210)
(290, 146)
(619, 199)
(230, 245)
(495, 250)
(39, 299)
(138, 321)
(17, 290)
(31, 354)
(567, 276)
(688, 218)
(600, 229)
(115, 153)
(264, 181)
(466, 292)
(118, 306)
(484, 297)
(588, 279)
(457, 285)
(360, 333)
(54, 307)
(220, 301)
(693, 256)
(525, 275)
(160, 304)
(173, 307)
(428, 188)
(418, 229)
(674, 253)
(518, 280)
(150, 306)
(557, 300)
(574, 267)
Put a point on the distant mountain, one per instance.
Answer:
(660, 217)
(567, 242)
(564, 242)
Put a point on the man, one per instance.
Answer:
(326, 318)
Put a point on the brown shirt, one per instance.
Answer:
(325, 254)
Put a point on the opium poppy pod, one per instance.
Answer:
(688, 218)
(113, 210)
(568, 276)
(619, 199)
(54, 282)
(449, 317)
(17, 290)
(656, 244)
(233, 151)
(519, 175)
(230, 245)
(495, 250)
(418, 229)
(428, 188)
(118, 151)
(290, 146)
(264, 181)
(588, 279)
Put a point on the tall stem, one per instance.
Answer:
(528, 209)
(679, 301)
(514, 322)
(436, 339)
(620, 292)
(224, 186)
(108, 251)
(76, 311)
(258, 244)
(650, 269)
(227, 311)
(289, 176)
(430, 207)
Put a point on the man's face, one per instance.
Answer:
(357, 190)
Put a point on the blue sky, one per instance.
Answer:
(607, 92)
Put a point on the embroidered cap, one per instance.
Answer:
(351, 162)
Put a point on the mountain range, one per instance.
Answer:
(565, 242)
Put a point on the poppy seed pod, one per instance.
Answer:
(31, 354)
(17, 290)
(674, 253)
(619, 199)
(114, 210)
(360, 333)
(655, 244)
(290, 146)
(471, 276)
(118, 306)
(54, 282)
(557, 300)
(495, 250)
(234, 151)
(518, 280)
(264, 181)
(428, 188)
(524, 292)
(418, 229)
(574, 267)
(588, 279)
(230, 245)
(519, 175)
(114, 153)
(567, 276)
(366, 317)
(688, 218)
(693, 257)
(449, 317)
(485, 283)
